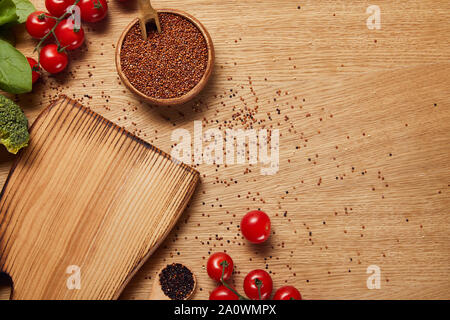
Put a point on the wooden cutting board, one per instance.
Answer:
(84, 206)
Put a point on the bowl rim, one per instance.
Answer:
(190, 94)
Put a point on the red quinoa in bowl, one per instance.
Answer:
(168, 64)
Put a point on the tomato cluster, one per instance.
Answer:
(59, 24)
(258, 285)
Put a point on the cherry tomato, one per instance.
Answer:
(39, 23)
(69, 37)
(223, 293)
(251, 282)
(287, 293)
(214, 266)
(34, 69)
(52, 60)
(58, 7)
(93, 10)
(255, 226)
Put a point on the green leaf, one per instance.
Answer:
(23, 9)
(7, 12)
(15, 71)
(8, 35)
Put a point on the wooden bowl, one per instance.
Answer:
(194, 91)
(158, 294)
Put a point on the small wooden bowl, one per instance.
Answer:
(194, 91)
(157, 292)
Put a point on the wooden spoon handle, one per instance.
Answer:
(145, 7)
(147, 13)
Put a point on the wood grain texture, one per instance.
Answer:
(89, 194)
(372, 82)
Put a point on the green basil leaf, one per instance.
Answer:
(15, 71)
(8, 35)
(23, 9)
(7, 12)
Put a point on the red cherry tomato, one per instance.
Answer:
(214, 266)
(39, 23)
(251, 281)
(255, 226)
(58, 7)
(287, 293)
(93, 10)
(69, 37)
(223, 293)
(34, 69)
(52, 60)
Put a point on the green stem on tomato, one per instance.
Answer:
(97, 4)
(56, 38)
(258, 284)
(224, 264)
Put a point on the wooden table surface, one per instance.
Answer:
(364, 119)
